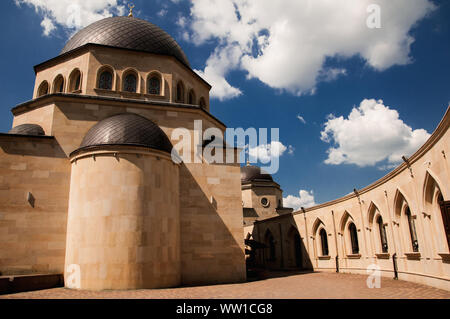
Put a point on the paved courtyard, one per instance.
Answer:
(287, 286)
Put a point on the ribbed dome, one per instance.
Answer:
(254, 174)
(28, 129)
(127, 129)
(128, 33)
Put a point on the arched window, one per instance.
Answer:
(154, 85)
(202, 103)
(105, 80)
(412, 230)
(75, 82)
(324, 242)
(43, 89)
(130, 83)
(354, 238)
(180, 92)
(383, 236)
(58, 84)
(191, 97)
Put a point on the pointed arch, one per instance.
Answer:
(399, 199)
(269, 241)
(439, 223)
(371, 213)
(345, 218)
(317, 223)
(295, 248)
(430, 183)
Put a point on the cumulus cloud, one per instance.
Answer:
(305, 199)
(72, 14)
(372, 133)
(266, 152)
(285, 43)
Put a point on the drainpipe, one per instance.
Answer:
(394, 259)
(335, 242)
(306, 230)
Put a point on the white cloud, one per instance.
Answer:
(305, 199)
(285, 43)
(266, 152)
(301, 119)
(291, 150)
(48, 26)
(162, 13)
(216, 68)
(72, 14)
(371, 134)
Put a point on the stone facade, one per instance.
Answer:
(128, 217)
(398, 219)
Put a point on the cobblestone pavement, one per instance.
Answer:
(294, 286)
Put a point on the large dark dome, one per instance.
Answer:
(254, 174)
(128, 33)
(127, 129)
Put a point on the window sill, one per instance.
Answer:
(354, 256)
(76, 92)
(324, 257)
(445, 257)
(383, 256)
(412, 256)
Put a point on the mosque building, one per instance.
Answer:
(88, 184)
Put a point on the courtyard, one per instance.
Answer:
(318, 285)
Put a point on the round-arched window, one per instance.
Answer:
(58, 84)
(154, 85)
(43, 89)
(75, 82)
(105, 80)
(130, 83)
(191, 97)
(180, 92)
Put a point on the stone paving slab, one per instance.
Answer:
(296, 286)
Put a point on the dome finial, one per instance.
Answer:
(131, 7)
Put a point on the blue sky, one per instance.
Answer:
(412, 79)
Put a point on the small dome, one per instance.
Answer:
(128, 33)
(28, 129)
(127, 129)
(254, 174)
